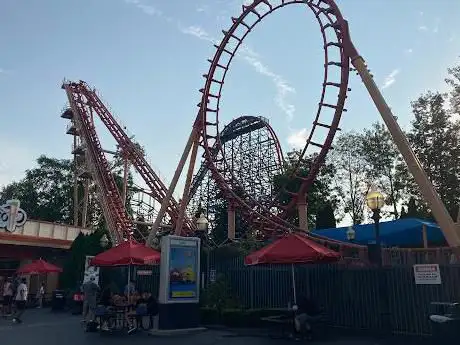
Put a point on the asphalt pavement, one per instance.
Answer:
(42, 327)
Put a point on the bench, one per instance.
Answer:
(280, 323)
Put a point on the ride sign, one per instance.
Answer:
(427, 274)
(12, 216)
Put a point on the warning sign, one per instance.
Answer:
(427, 274)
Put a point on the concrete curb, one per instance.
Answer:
(176, 332)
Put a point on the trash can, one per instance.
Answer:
(58, 300)
(77, 303)
(445, 321)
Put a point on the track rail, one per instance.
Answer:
(239, 126)
(113, 208)
(332, 27)
(133, 154)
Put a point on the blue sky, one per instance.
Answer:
(147, 57)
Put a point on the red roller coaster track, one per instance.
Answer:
(332, 27)
(85, 103)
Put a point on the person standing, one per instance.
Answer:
(130, 288)
(20, 300)
(90, 290)
(41, 295)
(7, 296)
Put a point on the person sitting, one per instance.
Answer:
(147, 305)
(307, 313)
(103, 308)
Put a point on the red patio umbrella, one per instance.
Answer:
(293, 248)
(38, 267)
(127, 253)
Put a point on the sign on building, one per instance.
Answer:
(12, 215)
(427, 274)
(90, 271)
(144, 272)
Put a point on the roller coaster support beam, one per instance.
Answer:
(188, 182)
(172, 186)
(125, 179)
(76, 201)
(429, 193)
(231, 218)
(302, 212)
(84, 216)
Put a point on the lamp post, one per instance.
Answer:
(375, 201)
(104, 241)
(202, 230)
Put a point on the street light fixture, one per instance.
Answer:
(351, 234)
(202, 224)
(104, 241)
(375, 201)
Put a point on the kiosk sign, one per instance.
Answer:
(427, 274)
(12, 216)
(180, 270)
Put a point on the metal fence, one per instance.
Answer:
(375, 299)
(361, 298)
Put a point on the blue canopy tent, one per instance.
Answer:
(407, 232)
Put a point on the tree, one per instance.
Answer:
(46, 191)
(434, 138)
(382, 159)
(453, 80)
(320, 193)
(326, 218)
(351, 179)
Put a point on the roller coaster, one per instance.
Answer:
(241, 158)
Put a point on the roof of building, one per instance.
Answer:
(400, 232)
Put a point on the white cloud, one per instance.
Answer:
(252, 58)
(298, 139)
(283, 89)
(423, 28)
(202, 8)
(390, 79)
(451, 38)
(408, 51)
(197, 32)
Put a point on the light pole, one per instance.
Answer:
(202, 224)
(375, 201)
(202, 230)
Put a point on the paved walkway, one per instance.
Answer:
(41, 327)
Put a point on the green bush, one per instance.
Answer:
(219, 296)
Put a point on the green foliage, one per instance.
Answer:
(218, 295)
(382, 159)
(319, 194)
(326, 218)
(46, 191)
(350, 179)
(74, 265)
(453, 81)
(435, 140)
